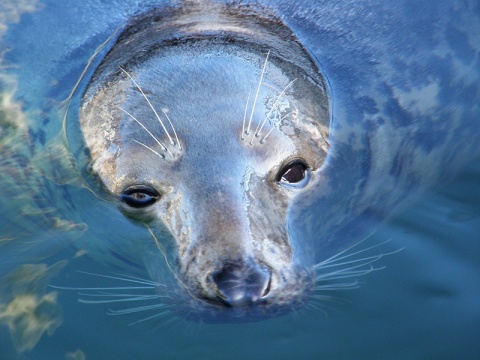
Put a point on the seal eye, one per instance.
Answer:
(139, 196)
(295, 173)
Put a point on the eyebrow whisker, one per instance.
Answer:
(174, 132)
(273, 127)
(151, 106)
(149, 148)
(259, 128)
(258, 90)
(245, 115)
(148, 131)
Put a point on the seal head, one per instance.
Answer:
(205, 124)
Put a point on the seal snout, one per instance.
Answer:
(240, 285)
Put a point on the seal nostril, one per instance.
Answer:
(219, 294)
(267, 288)
(241, 285)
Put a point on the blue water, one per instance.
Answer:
(423, 304)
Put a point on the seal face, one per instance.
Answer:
(204, 124)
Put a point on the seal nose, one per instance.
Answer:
(242, 285)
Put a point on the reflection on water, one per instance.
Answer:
(424, 304)
(27, 308)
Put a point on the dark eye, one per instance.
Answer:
(294, 173)
(139, 196)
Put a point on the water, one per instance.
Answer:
(424, 304)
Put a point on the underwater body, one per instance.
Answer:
(402, 80)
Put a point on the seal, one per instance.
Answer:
(204, 125)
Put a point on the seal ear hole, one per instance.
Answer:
(139, 196)
(295, 173)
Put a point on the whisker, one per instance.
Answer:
(110, 301)
(122, 277)
(317, 308)
(273, 127)
(294, 311)
(334, 257)
(339, 286)
(260, 127)
(164, 313)
(329, 298)
(327, 303)
(102, 288)
(151, 106)
(135, 309)
(258, 90)
(365, 260)
(174, 132)
(89, 63)
(346, 273)
(245, 116)
(162, 251)
(140, 280)
(149, 148)
(148, 131)
(355, 267)
(115, 295)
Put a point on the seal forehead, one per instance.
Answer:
(208, 97)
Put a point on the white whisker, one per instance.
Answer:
(115, 295)
(329, 298)
(245, 116)
(129, 278)
(151, 107)
(273, 127)
(164, 313)
(135, 309)
(352, 267)
(123, 277)
(336, 256)
(332, 262)
(102, 288)
(260, 127)
(109, 301)
(149, 148)
(347, 273)
(89, 63)
(258, 90)
(148, 131)
(364, 261)
(339, 286)
(174, 132)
